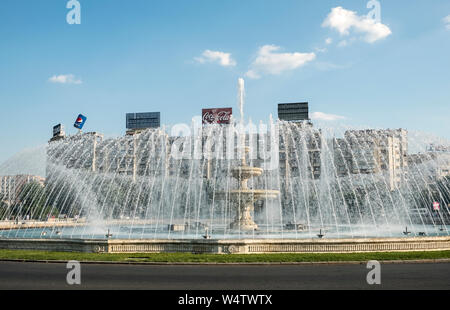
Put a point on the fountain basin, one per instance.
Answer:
(249, 194)
(244, 200)
(246, 172)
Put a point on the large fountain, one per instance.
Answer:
(285, 182)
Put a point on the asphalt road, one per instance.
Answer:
(428, 276)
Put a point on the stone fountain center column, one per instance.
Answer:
(245, 198)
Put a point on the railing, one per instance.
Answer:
(232, 246)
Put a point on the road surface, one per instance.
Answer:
(21, 275)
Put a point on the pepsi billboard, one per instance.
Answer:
(81, 120)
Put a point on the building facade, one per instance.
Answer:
(12, 186)
(373, 151)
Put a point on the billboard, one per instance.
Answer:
(143, 120)
(58, 130)
(217, 116)
(293, 111)
(81, 120)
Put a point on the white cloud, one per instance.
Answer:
(343, 43)
(320, 50)
(223, 59)
(328, 66)
(344, 21)
(269, 62)
(320, 116)
(447, 22)
(328, 41)
(65, 79)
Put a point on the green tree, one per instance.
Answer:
(32, 201)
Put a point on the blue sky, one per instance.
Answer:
(180, 56)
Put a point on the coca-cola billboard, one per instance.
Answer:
(217, 116)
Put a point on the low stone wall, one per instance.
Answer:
(55, 245)
(232, 246)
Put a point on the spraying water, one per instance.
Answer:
(343, 181)
(241, 95)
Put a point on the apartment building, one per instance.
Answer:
(373, 151)
(11, 186)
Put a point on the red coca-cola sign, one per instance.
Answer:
(217, 116)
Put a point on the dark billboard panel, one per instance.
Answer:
(58, 130)
(143, 120)
(293, 111)
(217, 116)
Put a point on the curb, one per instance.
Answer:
(423, 261)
